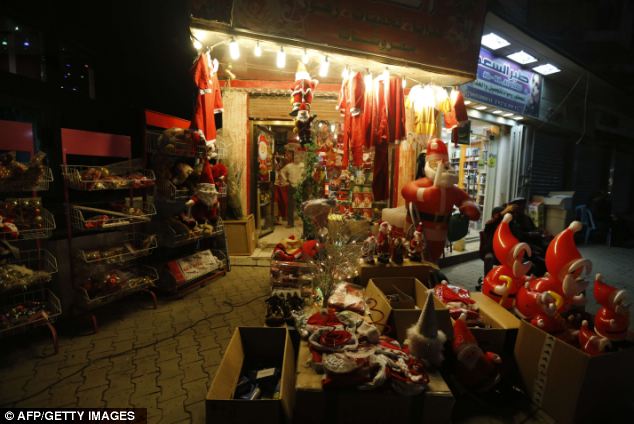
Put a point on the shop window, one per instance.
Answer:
(21, 51)
(76, 73)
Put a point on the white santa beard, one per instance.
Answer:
(447, 179)
(208, 199)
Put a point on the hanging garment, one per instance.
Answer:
(421, 112)
(457, 112)
(208, 98)
(351, 106)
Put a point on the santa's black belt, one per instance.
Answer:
(433, 218)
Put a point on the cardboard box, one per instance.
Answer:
(568, 384)
(501, 335)
(315, 406)
(241, 236)
(420, 270)
(253, 345)
(401, 317)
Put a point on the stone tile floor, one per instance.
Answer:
(165, 359)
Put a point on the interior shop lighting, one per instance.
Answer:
(234, 49)
(257, 51)
(518, 117)
(197, 44)
(467, 102)
(305, 57)
(494, 41)
(367, 79)
(386, 74)
(546, 69)
(404, 83)
(498, 112)
(281, 58)
(481, 107)
(522, 57)
(323, 68)
(506, 115)
(345, 73)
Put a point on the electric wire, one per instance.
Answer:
(134, 349)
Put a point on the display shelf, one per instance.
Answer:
(133, 246)
(33, 267)
(139, 277)
(170, 287)
(174, 238)
(44, 229)
(169, 191)
(156, 143)
(89, 218)
(90, 178)
(27, 184)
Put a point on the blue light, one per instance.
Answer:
(26, 43)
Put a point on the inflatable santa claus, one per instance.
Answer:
(504, 281)
(435, 196)
(613, 318)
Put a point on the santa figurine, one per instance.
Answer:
(369, 249)
(590, 342)
(383, 242)
(424, 339)
(613, 318)
(435, 196)
(302, 93)
(203, 205)
(398, 250)
(458, 300)
(475, 369)
(504, 281)
(416, 246)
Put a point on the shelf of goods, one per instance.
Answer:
(101, 266)
(185, 274)
(26, 269)
(174, 154)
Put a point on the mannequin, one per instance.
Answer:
(293, 173)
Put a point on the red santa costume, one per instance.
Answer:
(475, 369)
(209, 98)
(350, 105)
(204, 203)
(613, 318)
(302, 91)
(417, 244)
(434, 196)
(504, 281)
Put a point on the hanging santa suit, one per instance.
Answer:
(457, 112)
(351, 106)
(208, 99)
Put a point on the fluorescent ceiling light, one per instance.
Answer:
(481, 107)
(234, 49)
(258, 50)
(522, 57)
(494, 41)
(281, 58)
(498, 112)
(467, 102)
(506, 115)
(518, 117)
(546, 69)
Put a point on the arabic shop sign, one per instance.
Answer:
(441, 34)
(505, 84)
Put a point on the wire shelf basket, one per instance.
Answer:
(46, 307)
(140, 277)
(87, 218)
(31, 268)
(133, 246)
(168, 191)
(26, 183)
(43, 230)
(157, 143)
(90, 178)
(175, 238)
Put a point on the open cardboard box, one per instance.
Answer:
(420, 270)
(253, 345)
(570, 385)
(402, 316)
(502, 326)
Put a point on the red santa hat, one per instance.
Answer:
(562, 253)
(606, 295)
(437, 149)
(506, 246)
(464, 343)
(419, 227)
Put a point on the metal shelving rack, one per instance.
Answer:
(131, 211)
(32, 290)
(171, 200)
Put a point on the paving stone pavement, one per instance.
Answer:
(164, 359)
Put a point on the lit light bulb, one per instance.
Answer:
(197, 44)
(234, 49)
(404, 82)
(305, 57)
(345, 73)
(323, 68)
(258, 50)
(367, 79)
(281, 58)
(386, 74)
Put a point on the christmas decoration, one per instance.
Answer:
(383, 242)
(458, 301)
(369, 249)
(613, 318)
(504, 281)
(398, 250)
(434, 196)
(590, 342)
(424, 339)
(416, 245)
